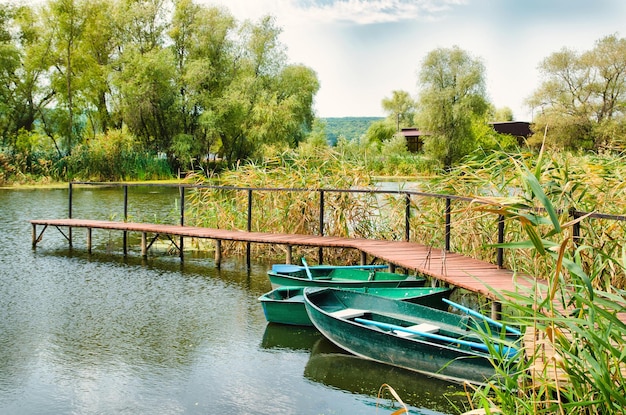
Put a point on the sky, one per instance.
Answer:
(362, 50)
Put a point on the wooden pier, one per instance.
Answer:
(451, 268)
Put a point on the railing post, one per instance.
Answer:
(448, 215)
(182, 221)
(69, 214)
(500, 251)
(407, 217)
(125, 234)
(575, 228)
(249, 228)
(320, 252)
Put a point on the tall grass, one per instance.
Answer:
(571, 182)
(571, 308)
(295, 211)
(113, 156)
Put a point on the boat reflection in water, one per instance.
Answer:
(287, 337)
(335, 368)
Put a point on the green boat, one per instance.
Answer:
(339, 277)
(411, 336)
(285, 305)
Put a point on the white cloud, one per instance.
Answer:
(360, 12)
(377, 11)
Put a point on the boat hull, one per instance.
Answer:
(443, 360)
(343, 278)
(285, 305)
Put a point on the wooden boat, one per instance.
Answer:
(285, 305)
(339, 277)
(411, 336)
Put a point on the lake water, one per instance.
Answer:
(112, 334)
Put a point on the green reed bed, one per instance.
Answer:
(579, 287)
(573, 306)
(295, 209)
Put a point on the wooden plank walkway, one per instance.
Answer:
(454, 269)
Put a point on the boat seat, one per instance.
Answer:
(423, 327)
(348, 313)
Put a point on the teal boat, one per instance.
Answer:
(411, 336)
(340, 277)
(285, 305)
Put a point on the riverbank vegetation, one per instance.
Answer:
(573, 311)
(179, 81)
(579, 282)
(188, 88)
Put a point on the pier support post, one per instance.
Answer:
(89, 240)
(34, 235)
(218, 253)
(181, 240)
(144, 244)
(363, 258)
(69, 212)
(248, 254)
(125, 234)
(289, 258)
(496, 310)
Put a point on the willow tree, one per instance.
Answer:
(237, 91)
(100, 44)
(65, 21)
(452, 94)
(146, 93)
(10, 61)
(582, 96)
(400, 108)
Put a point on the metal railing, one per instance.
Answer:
(407, 194)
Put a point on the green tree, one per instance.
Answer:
(203, 49)
(10, 61)
(146, 97)
(503, 114)
(99, 46)
(65, 20)
(246, 95)
(380, 131)
(452, 94)
(30, 84)
(400, 109)
(583, 96)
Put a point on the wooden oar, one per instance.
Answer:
(509, 351)
(480, 316)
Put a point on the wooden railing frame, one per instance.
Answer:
(501, 236)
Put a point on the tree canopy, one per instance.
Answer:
(187, 80)
(452, 94)
(582, 98)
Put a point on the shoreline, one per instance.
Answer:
(64, 185)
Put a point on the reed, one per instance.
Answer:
(572, 182)
(576, 363)
(290, 211)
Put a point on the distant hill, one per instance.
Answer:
(352, 128)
